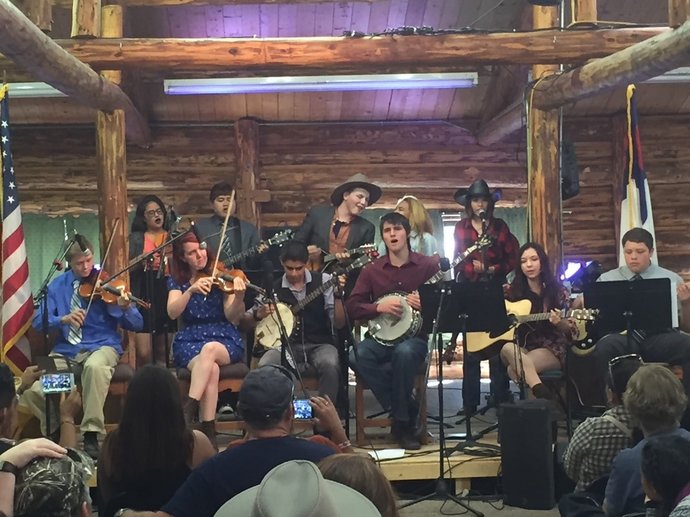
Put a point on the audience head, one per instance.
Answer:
(8, 401)
(149, 215)
(297, 489)
(638, 247)
(655, 398)
(666, 470)
(152, 432)
(54, 486)
(621, 368)
(265, 398)
(416, 213)
(360, 472)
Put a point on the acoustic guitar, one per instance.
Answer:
(519, 313)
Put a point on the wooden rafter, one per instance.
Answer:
(331, 54)
(39, 55)
(67, 4)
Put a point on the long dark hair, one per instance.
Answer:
(181, 272)
(152, 434)
(139, 222)
(666, 466)
(551, 287)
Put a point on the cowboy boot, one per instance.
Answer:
(209, 429)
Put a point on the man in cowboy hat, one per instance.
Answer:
(338, 227)
(492, 263)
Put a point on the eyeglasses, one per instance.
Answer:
(619, 360)
(152, 213)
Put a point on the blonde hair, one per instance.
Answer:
(361, 473)
(420, 221)
(655, 398)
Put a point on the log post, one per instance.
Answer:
(40, 12)
(619, 133)
(544, 178)
(247, 153)
(678, 12)
(86, 19)
(585, 11)
(111, 164)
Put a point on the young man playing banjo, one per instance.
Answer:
(399, 271)
(312, 328)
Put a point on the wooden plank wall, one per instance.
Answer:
(301, 164)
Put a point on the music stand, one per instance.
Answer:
(436, 319)
(647, 303)
(474, 307)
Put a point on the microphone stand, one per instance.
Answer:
(285, 347)
(344, 356)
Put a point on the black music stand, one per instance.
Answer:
(474, 307)
(631, 305)
(436, 319)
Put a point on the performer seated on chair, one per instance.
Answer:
(670, 346)
(210, 338)
(149, 279)
(90, 339)
(401, 270)
(422, 229)
(493, 263)
(540, 345)
(313, 341)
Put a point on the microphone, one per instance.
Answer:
(82, 244)
(482, 215)
(267, 277)
(444, 262)
(58, 265)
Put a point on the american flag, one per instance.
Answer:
(636, 207)
(17, 302)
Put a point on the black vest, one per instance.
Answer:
(313, 322)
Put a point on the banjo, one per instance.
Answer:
(390, 330)
(267, 332)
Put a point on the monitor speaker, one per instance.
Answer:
(527, 458)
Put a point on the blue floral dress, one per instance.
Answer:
(204, 321)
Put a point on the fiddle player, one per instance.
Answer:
(209, 338)
(90, 339)
(399, 270)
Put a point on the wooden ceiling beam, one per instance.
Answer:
(637, 63)
(26, 45)
(67, 4)
(331, 54)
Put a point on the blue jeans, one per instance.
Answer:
(390, 372)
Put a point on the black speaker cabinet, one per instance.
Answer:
(527, 455)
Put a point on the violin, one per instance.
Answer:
(109, 291)
(224, 277)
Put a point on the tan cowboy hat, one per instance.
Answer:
(359, 180)
(479, 188)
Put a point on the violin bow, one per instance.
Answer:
(116, 223)
(231, 206)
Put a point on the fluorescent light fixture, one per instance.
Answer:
(319, 83)
(29, 90)
(676, 76)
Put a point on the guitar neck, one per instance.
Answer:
(439, 275)
(540, 316)
(242, 255)
(360, 249)
(315, 294)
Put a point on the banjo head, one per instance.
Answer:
(389, 328)
(267, 332)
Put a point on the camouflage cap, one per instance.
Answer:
(49, 487)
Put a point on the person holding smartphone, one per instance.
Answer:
(90, 339)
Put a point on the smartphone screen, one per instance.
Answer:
(303, 409)
(57, 382)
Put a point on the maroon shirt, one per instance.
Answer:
(381, 277)
(502, 254)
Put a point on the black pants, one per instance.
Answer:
(672, 347)
(471, 387)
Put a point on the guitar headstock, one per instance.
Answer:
(584, 314)
(280, 237)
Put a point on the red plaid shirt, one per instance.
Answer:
(502, 254)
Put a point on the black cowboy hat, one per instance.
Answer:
(479, 188)
(359, 180)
